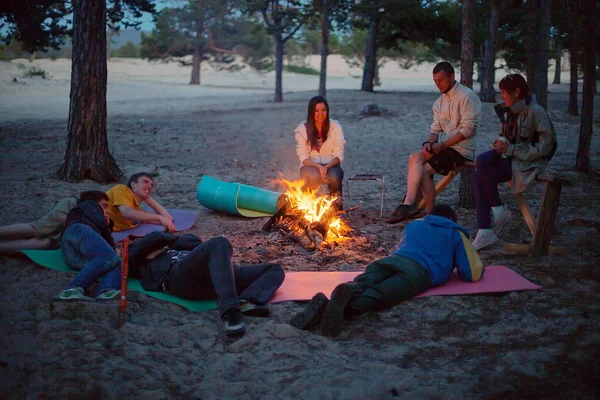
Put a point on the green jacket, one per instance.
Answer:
(535, 146)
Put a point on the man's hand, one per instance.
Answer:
(169, 226)
(501, 146)
(436, 148)
(427, 149)
(118, 251)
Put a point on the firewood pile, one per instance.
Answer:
(292, 222)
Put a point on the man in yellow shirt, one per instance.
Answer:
(124, 203)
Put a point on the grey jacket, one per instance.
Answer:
(535, 146)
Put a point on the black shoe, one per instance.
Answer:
(312, 313)
(332, 320)
(402, 212)
(254, 310)
(234, 326)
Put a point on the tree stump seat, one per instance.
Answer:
(445, 181)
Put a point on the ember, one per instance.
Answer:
(309, 218)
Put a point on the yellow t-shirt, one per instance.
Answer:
(121, 195)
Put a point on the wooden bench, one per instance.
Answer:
(541, 228)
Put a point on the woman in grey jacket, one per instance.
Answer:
(526, 144)
(320, 148)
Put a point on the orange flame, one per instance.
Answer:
(313, 206)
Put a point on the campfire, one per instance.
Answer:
(308, 218)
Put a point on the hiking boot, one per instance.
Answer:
(111, 294)
(234, 326)
(484, 239)
(332, 320)
(403, 212)
(254, 310)
(501, 220)
(312, 313)
(72, 294)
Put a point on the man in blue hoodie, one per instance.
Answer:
(427, 254)
(87, 245)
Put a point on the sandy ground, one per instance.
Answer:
(541, 344)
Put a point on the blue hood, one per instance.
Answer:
(444, 222)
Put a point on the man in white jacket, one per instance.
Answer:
(451, 141)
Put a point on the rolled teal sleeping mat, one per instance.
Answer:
(236, 198)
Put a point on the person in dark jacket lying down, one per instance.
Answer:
(189, 268)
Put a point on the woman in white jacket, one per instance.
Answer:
(320, 148)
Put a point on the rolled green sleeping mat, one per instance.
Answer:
(236, 198)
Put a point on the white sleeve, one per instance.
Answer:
(339, 141)
(436, 126)
(302, 145)
(470, 110)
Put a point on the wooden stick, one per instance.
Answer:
(124, 274)
(524, 249)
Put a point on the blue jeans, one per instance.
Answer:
(490, 170)
(83, 249)
(335, 176)
(207, 273)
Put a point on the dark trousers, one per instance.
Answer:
(491, 169)
(385, 283)
(207, 273)
(335, 176)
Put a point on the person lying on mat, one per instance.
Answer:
(427, 254)
(451, 141)
(124, 203)
(320, 147)
(43, 234)
(87, 246)
(526, 144)
(189, 268)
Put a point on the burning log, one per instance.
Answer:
(292, 222)
(323, 224)
(281, 212)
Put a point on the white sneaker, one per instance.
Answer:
(484, 239)
(501, 220)
(76, 293)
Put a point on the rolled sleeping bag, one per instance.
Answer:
(236, 198)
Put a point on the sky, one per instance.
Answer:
(147, 24)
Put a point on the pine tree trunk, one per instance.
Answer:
(543, 54)
(573, 85)
(480, 71)
(574, 61)
(370, 57)
(466, 196)
(279, 45)
(87, 154)
(557, 65)
(198, 49)
(466, 45)
(488, 93)
(324, 47)
(586, 128)
(196, 65)
(532, 40)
